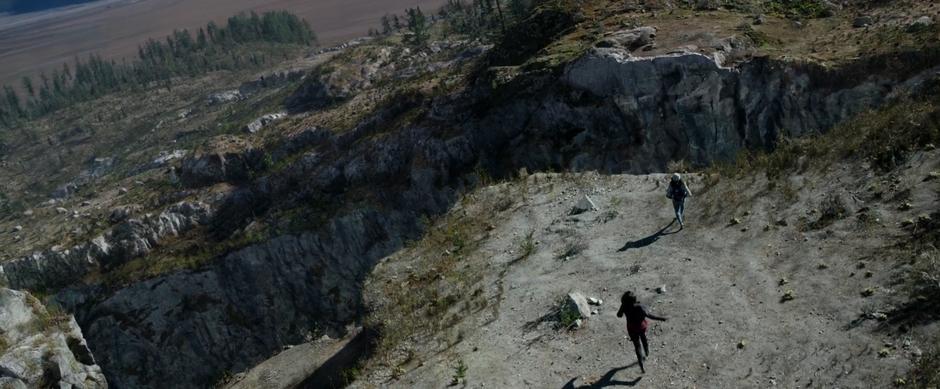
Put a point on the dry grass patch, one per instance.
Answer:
(435, 282)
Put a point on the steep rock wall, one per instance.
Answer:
(611, 112)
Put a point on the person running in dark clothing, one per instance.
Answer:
(678, 191)
(636, 324)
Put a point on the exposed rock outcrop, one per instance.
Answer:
(262, 122)
(224, 97)
(222, 166)
(629, 39)
(238, 311)
(130, 239)
(42, 349)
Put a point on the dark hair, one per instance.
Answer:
(628, 298)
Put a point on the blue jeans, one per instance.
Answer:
(679, 205)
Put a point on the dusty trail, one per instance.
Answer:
(722, 287)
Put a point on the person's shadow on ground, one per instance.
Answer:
(649, 239)
(606, 381)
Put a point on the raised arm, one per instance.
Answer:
(652, 316)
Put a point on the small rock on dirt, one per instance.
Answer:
(61, 210)
(584, 204)
(661, 289)
(17, 228)
(594, 301)
(577, 303)
(876, 316)
(920, 24)
(862, 21)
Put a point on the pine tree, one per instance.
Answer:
(201, 40)
(519, 9)
(158, 61)
(417, 27)
(28, 86)
(386, 25)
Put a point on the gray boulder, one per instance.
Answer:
(577, 303)
(920, 24)
(584, 204)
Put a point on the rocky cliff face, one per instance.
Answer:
(40, 349)
(606, 111)
(129, 239)
(184, 329)
(612, 112)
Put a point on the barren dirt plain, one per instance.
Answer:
(37, 41)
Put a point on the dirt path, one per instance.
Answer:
(722, 288)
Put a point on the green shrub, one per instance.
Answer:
(350, 374)
(460, 372)
(757, 37)
(572, 248)
(800, 9)
(527, 247)
(567, 315)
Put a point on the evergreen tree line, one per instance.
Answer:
(180, 54)
(477, 19)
